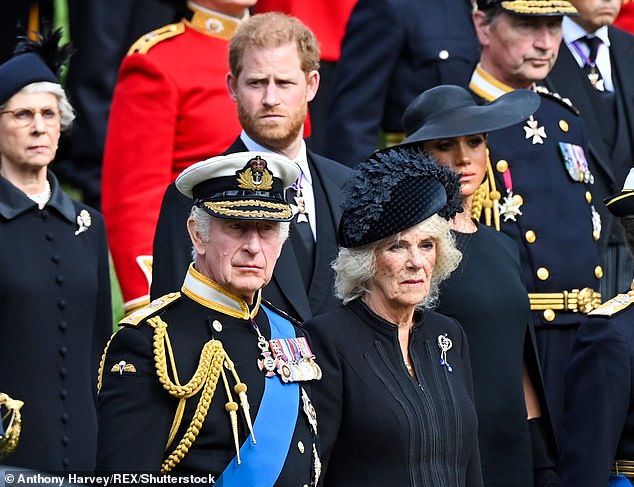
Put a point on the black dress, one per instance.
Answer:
(487, 296)
(380, 426)
(55, 318)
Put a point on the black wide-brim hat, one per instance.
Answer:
(241, 186)
(622, 203)
(447, 111)
(395, 189)
(532, 7)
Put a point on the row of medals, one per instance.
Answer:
(290, 358)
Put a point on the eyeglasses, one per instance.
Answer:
(23, 117)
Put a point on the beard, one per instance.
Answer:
(274, 134)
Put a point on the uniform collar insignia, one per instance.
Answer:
(209, 294)
(486, 86)
(212, 23)
(255, 175)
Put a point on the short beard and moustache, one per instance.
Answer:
(273, 134)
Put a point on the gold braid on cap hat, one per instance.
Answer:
(204, 380)
(487, 198)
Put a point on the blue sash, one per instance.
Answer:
(273, 428)
(619, 481)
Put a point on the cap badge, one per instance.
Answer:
(255, 175)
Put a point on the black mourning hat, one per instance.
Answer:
(33, 61)
(451, 111)
(394, 190)
(622, 203)
(241, 186)
(531, 7)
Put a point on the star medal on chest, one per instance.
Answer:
(534, 131)
(444, 344)
(510, 206)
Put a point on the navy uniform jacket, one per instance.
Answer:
(555, 231)
(599, 412)
(55, 318)
(392, 51)
(172, 245)
(136, 412)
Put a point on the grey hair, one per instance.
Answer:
(66, 111)
(202, 221)
(355, 267)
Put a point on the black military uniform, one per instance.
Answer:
(198, 375)
(392, 51)
(542, 188)
(597, 445)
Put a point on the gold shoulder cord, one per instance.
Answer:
(487, 198)
(102, 362)
(210, 368)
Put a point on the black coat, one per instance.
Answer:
(172, 246)
(378, 425)
(392, 51)
(136, 412)
(55, 318)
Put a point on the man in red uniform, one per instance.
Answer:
(625, 19)
(170, 109)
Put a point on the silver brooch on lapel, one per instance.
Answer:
(445, 344)
(84, 220)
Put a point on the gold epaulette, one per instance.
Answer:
(542, 90)
(151, 39)
(141, 314)
(614, 305)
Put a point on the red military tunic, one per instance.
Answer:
(170, 109)
(327, 19)
(625, 19)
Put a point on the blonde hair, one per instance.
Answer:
(355, 267)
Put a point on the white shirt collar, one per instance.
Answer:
(573, 31)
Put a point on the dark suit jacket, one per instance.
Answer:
(607, 163)
(172, 246)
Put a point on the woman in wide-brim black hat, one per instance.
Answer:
(486, 294)
(447, 122)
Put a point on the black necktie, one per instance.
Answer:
(302, 239)
(590, 67)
